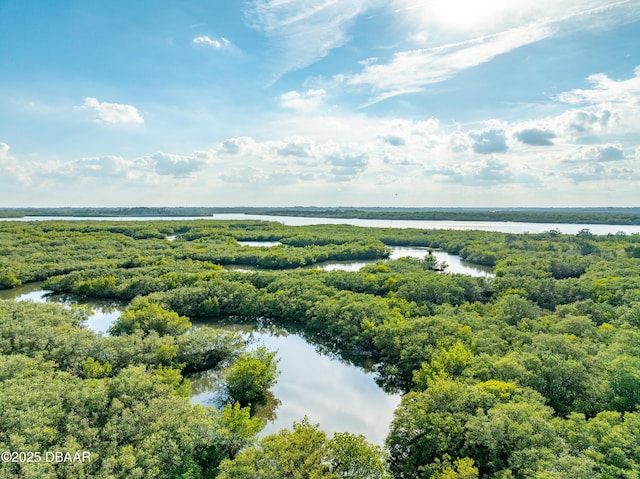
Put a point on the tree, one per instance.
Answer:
(147, 316)
(234, 429)
(251, 375)
(303, 453)
(353, 457)
(307, 453)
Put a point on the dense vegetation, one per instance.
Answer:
(534, 373)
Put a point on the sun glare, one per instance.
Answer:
(463, 15)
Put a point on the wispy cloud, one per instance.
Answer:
(303, 32)
(412, 70)
(104, 112)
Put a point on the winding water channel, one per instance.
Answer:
(338, 394)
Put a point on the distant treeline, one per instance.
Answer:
(621, 216)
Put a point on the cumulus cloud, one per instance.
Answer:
(605, 90)
(578, 123)
(141, 170)
(174, 165)
(348, 160)
(604, 153)
(479, 173)
(603, 162)
(491, 140)
(296, 146)
(112, 113)
(212, 42)
(4, 151)
(591, 172)
(345, 166)
(99, 167)
(459, 142)
(535, 137)
(610, 153)
(10, 168)
(236, 146)
(304, 102)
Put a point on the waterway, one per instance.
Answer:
(452, 263)
(499, 226)
(337, 394)
(101, 314)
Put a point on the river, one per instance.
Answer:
(499, 226)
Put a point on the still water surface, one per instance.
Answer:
(102, 314)
(337, 394)
(454, 264)
(501, 226)
(313, 382)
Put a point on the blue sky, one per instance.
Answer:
(326, 102)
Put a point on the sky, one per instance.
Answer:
(436, 103)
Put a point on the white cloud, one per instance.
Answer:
(296, 146)
(535, 136)
(598, 172)
(410, 71)
(304, 102)
(236, 146)
(212, 42)
(303, 32)
(606, 90)
(10, 168)
(490, 171)
(96, 167)
(111, 112)
(489, 140)
(177, 166)
(105, 170)
(461, 34)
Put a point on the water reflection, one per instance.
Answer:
(501, 226)
(337, 394)
(454, 263)
(314, 381)
(100, 314)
